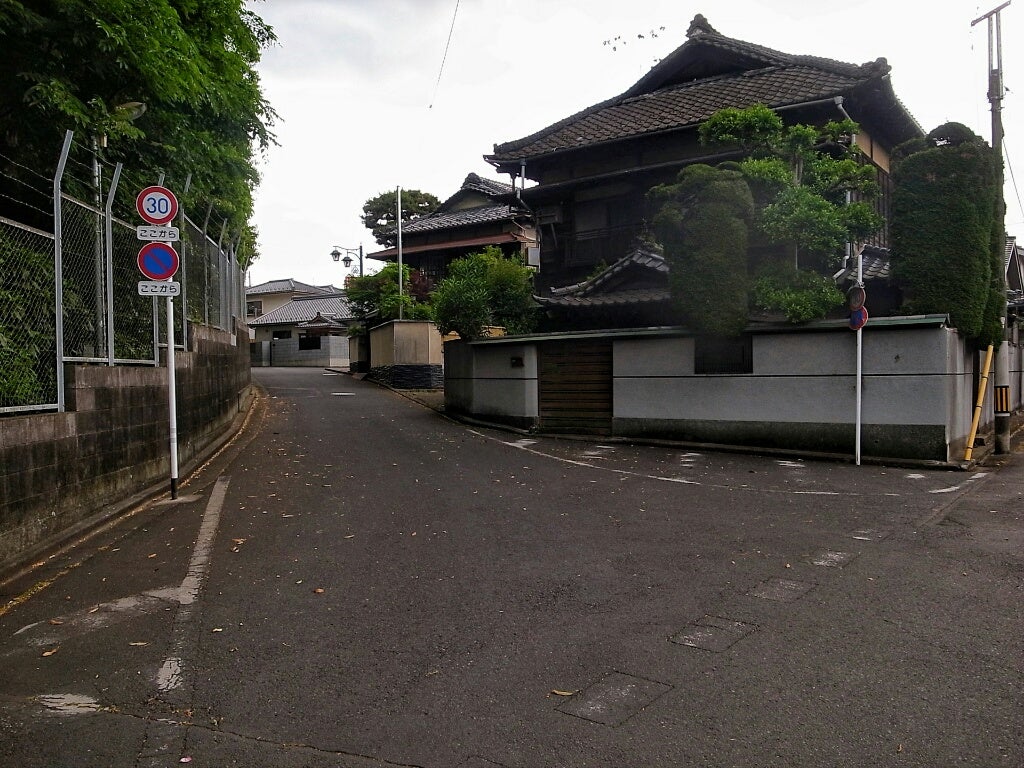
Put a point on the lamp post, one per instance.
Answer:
(336, 254)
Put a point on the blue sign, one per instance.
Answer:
(158, 261)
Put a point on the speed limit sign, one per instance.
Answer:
(157, 205)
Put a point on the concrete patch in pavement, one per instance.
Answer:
(713, 633)
(614, 699)
(829, 558)
(781, 590)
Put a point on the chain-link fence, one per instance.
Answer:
(69, 275)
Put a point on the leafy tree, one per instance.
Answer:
(85, 64)
(483, 289)
(800, 179)
(376, 296)
(380, 213)
(801, 176)
(946, 251)
(800, 294)
(702, 222)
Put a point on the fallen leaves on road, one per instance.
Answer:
(319, 591)
(51, 651)
(557, 692)
(138, 645)
(218, 629)
(56, 622)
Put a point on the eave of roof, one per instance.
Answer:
(466, 217)
(467, 242)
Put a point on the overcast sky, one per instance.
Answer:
(362, 109)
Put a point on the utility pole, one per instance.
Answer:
(996, 91)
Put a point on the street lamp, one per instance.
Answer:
(336, 254)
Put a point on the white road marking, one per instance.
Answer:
(343, 394)
(65, 704)
(171, 674)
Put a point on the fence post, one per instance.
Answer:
(184, 244)
(109, 228)
(221, 265)
(206, 266)
(58, 266)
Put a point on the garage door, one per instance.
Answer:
(575, 387)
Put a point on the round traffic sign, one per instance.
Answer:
(158, 261)
(858, 318)
(157, 205)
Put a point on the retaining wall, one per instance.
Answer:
(60, 472)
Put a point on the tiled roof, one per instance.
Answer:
(875, 266)
(287, 286)
(601, 290)
(304, 308)
(641, 256)
(680, 92)
(488, 187)
(463, 218)
(628, 297)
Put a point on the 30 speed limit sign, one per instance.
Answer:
(157, 205)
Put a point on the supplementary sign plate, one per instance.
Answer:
(164, 234)
(159, 288)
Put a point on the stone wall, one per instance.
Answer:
(60, 472)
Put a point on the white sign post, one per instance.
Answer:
(158, 206)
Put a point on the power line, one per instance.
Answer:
(445, 57)
(1013, 179)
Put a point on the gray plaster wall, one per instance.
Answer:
(60, 472)
(498, 383)
(917, 396)
(802, 393)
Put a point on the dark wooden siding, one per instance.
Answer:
(575, 387)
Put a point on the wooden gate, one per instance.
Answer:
(575, 387)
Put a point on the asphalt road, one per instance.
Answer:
(357, 581)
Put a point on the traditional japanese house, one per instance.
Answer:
(594, 169)
(483, 212)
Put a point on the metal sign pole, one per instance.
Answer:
(172, 400)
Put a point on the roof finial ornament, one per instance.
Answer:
(700, 26)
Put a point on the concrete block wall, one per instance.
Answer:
(334, 351)
(63, 471)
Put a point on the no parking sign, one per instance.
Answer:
(158, 261)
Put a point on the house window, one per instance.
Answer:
(282, 334)
(253, 308)
(309, 342)
(723, 356)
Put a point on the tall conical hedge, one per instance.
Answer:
(943, 229)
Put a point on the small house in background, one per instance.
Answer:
(306, 331)
(266, 297)
(483, 212)
(593, 169)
